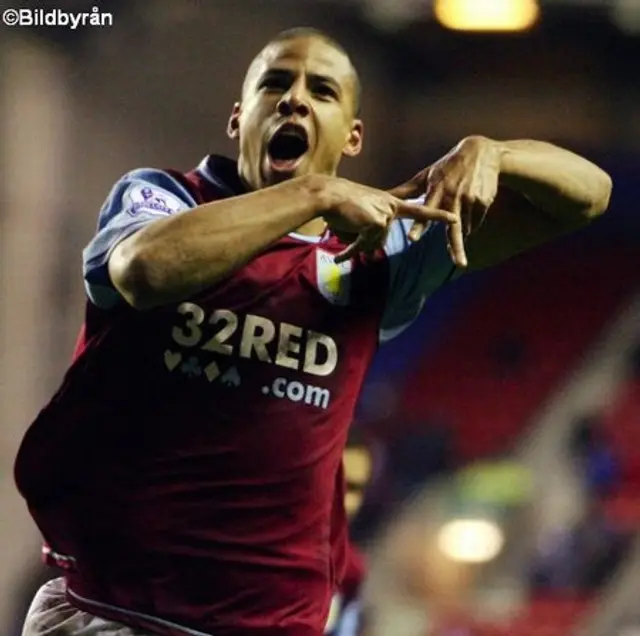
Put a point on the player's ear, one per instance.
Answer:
(354, 140)
(233, 126)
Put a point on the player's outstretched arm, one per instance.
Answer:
(545, 191)
(182, 254)
(511, 196)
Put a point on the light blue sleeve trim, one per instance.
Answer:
(137, 199)
(417, 270)
(349, 622)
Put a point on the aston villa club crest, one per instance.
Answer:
(334, 279)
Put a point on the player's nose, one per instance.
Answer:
(294, 102)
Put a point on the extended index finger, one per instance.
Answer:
(433, 199)
(424, 213)
(455, 235)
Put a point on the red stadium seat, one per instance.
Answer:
(487, 392)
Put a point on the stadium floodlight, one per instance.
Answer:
(487, 15)
(472, 541)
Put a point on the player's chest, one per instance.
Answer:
(294, 279)
(292, 308)
(301, 283)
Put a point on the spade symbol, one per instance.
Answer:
(231, 378)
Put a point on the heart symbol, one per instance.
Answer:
(172, 359)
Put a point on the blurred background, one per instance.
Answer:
(495, 461)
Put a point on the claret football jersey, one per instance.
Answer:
(186, 472)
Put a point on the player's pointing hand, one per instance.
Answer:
(368, 213)
(465, 182)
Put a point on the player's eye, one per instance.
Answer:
(325, 90)
(274, 83)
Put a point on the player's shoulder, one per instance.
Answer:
(148, 189)
(214, 177)
(149, 179)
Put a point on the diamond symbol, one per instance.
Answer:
(212, 371)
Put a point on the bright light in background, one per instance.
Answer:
(352, 502)
(357, 471)
(357, 465)
(487, 15)
(471, 540)
(626, 16)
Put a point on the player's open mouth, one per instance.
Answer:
(287, 147)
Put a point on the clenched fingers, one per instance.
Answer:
(367, 241)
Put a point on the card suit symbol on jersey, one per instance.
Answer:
(191, 367)
(212, 371)
(231, 378)
(172, 359)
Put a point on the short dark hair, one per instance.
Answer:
(296, 33)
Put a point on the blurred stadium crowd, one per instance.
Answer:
(494, 466)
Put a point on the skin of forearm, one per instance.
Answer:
(183, 254)
(557, 181)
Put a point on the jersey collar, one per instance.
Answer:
(223, 173)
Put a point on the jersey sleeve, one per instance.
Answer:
(137, 199)
(417, 270)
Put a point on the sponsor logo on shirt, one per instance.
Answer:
(229, 336)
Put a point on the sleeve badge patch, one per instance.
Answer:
(142, 198)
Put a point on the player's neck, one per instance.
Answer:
(315, 227)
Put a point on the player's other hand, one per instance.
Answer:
(367, 214)
(464, 182)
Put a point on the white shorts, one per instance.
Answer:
(51, 615)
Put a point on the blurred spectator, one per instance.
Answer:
(600, 546)
(593, 453)
(583, 558)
